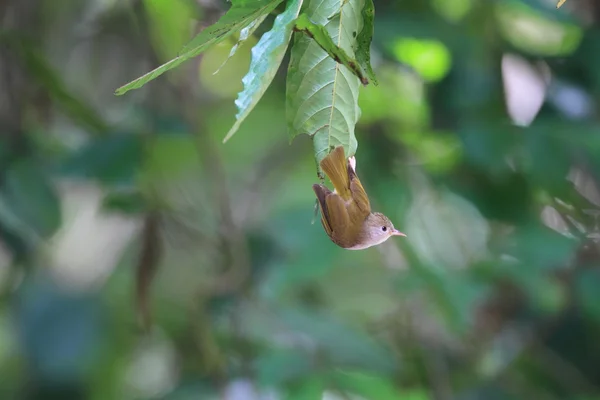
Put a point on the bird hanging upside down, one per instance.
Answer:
(346, 212)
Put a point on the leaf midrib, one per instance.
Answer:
(335, 78)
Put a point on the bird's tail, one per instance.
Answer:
(335, 166)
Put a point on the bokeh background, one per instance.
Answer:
(481, 142)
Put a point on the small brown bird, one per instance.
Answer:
(346, 212)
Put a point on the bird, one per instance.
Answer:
(346, 213)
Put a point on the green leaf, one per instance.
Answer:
(321, 36)
(113, 160)
(266, 58)
(239, 16)
(364, 38)
(244, 35)
(322, 95)
(30, 206)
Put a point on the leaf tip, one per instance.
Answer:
(229, 134)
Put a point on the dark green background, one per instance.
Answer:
(493, 295)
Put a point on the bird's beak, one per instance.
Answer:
(396, 232)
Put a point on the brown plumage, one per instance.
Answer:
(346, 212)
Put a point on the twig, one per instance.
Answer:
(150, 255)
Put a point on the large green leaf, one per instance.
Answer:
(239, 16)
(266, 58)
(322, 95)
(364, 38)
(321, 36)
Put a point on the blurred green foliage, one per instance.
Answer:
(493, 295)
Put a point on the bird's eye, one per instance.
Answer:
(384, 228)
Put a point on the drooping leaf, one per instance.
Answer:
(244, 35)
(240, 15)
(363, 40)
(322, 95)
(30, 205)
(266, 58)
(321, 36)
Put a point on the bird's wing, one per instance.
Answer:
(339, 220)
(334, 166)
(322, 192)
(359, 195)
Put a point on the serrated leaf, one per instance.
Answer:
(363, 40)
(321, 36)
(244, 35)
(266, 58)
(240, 15)
(322, 95)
